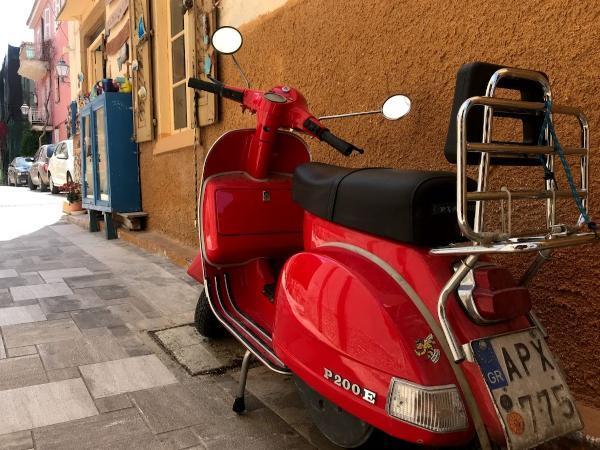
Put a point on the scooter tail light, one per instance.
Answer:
(438, 409)
(46, 167)
(497, 296)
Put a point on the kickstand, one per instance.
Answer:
(239, 405)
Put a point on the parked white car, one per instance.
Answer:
(60, 167)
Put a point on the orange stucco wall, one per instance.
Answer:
(349, 55)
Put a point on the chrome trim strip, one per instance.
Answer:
(281, 370)
(466, 266)
(464, 293)
(435, 329)
(254, 326)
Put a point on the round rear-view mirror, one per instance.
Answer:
(396, 107)
(227, 40)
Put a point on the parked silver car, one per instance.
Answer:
(18, 171)
(38, 173)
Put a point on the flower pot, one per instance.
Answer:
(69, 208)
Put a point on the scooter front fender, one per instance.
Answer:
(346, 328)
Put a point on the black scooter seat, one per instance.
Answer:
(411, 206)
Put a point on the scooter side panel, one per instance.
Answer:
(426, 274)
(338, 313)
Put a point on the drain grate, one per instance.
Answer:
(197, 354)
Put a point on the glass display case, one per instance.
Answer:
(109, 159)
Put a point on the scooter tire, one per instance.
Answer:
(205, 321)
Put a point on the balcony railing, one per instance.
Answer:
(41, 51)
(37, 116)
(35, 59)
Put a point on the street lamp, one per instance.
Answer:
(62, 68)
(25, 109)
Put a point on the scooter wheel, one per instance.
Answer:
(206, 322)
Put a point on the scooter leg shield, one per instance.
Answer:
(348, 331)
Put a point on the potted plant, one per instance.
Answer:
(73, 202)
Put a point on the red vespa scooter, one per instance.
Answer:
(362, 284)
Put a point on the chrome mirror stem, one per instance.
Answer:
(239, 68)
(354, 114)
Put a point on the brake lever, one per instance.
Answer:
(214, 80)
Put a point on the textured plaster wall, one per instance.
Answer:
(349, 55)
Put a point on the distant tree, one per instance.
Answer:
(31, 141)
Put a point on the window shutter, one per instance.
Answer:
(143, 114)
(205, 25)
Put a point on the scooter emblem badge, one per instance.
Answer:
(427, 347)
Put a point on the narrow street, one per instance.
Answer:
(80, 366)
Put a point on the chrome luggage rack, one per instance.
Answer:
(481, 241)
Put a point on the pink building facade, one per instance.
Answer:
(51, 44)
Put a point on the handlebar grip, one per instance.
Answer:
(202, 85)
(345, 148)
(217, 89)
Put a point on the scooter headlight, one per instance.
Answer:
(439, 409)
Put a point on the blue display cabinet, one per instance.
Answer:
(109, 159)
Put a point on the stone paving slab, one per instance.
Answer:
(127, 313)
(111, 292)
(40, 291)
(65, 303)
(96, 318)
(21, 314)
(260, 430)
(44, 404)
(81, 351)
(51, 276)
(22, 351)
(22, 371)
(63, 374)
(169, 408)
(32, 277)
(184, 438)
(5, 298)
(126, 375)
(2, 349)
(39, 332)
(130, 341)
(11, 282)
(97, 279)
(113, 403)
(119, 430)
(8, 273)
(20, 440)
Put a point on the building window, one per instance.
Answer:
(95, 61)
(46, 19)
(57, 7)
(179, 48)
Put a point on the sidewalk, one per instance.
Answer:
(78, 368)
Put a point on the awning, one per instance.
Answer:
(73, 10)
(34, 69)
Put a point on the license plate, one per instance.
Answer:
(528, 388)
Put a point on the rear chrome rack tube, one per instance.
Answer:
(455, 348)
(488, 242)
(463, 147)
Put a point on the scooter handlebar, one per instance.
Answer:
(345, 148)
(216, 88)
